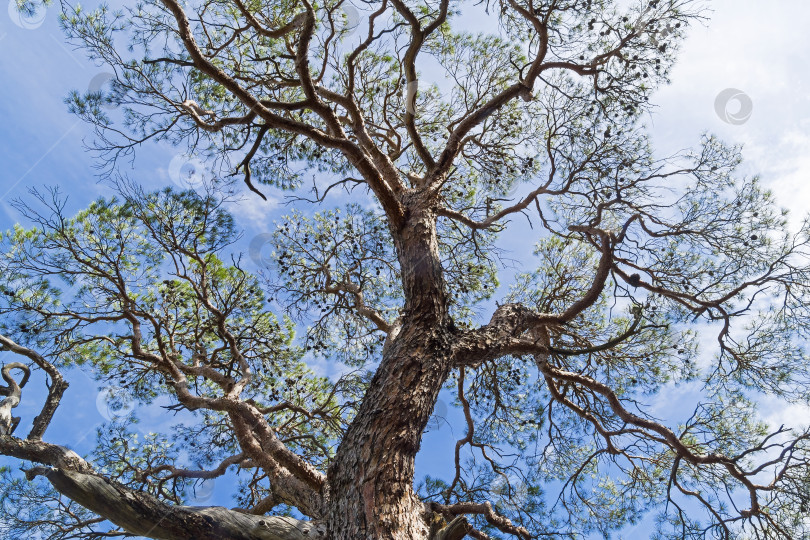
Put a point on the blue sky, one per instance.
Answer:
(761, 51)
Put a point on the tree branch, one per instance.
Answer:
(55, 391)
(142, 514)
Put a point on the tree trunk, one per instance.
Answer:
(371, 479)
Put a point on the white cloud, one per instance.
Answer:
(759, 49)
(253, 213)
(775, 412)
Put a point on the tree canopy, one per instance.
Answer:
(642, 274)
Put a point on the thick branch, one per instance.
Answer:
(142, 514)
(42, 452)
(503, 334)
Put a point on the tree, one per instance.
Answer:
(637, 258)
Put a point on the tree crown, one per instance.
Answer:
(637, 258)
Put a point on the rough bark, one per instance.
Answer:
(371, 479)
(372, 476)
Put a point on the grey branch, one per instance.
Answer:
(13, 391)
(142, 514)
